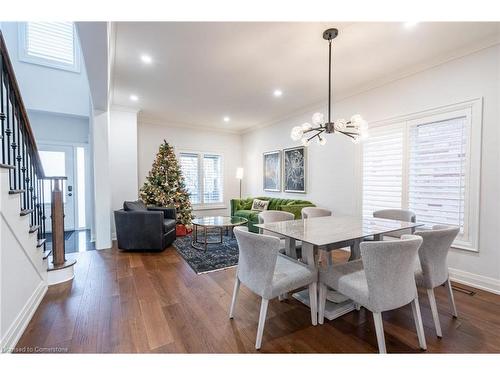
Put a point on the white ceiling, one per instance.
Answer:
(204, 71)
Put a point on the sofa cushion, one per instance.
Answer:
(259, 205)
(134, 206)
(247, 214)
(169, 224)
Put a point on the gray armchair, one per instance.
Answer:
(139, 227)
(383, 279)
(433, 270)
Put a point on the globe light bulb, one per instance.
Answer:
(296, 133)
(318, 119)
(306, 126)
(356, 120)
(340, 124)
(305, 142)
(321, 141)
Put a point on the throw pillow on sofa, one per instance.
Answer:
(259, 205)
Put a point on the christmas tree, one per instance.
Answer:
(165, 186)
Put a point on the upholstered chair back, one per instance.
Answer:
(390, 269)
(308, 212)
(272, 216)
(397, 214)
(433, 254)
(257, 260)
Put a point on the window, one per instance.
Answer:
(427, 163)
(203, 177)
(51, 44)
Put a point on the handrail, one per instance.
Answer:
(7, 65)
(19, 153)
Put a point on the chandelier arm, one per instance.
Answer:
(349, 133)
(315, 135)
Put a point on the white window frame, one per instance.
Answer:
(472, 111)
(24, 56)
(201, 176)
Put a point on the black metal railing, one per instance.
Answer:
(19, 151)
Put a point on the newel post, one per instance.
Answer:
(61, 269)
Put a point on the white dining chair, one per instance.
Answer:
(432, 270)
(396, 214)
(273, 216)
(309, 212)
(383, 279)
(269, 274)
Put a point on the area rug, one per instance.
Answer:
(216, 257)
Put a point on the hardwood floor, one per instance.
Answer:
(153, 302)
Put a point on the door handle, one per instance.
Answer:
(70, 194)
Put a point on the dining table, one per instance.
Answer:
(328, 233)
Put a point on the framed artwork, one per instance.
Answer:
(294, 174)
(272, 171)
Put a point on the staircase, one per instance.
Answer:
(23, 258)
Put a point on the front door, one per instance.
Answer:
(59, 161)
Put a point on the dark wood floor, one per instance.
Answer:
(154, 302)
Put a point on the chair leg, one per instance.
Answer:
(435, 314)
(415, 306)
(235, 295)
(379, 330)
(452, 299)
(262, 321)
(313, 302)
(321, 303)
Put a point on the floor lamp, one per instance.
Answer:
(239, 176)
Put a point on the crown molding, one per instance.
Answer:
(123, 108)
(146, 120)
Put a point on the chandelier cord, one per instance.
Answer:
(329, 79)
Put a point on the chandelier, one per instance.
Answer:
(356, 128)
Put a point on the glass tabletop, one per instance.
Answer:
(219, 221)
(335, 229)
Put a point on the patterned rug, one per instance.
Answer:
(217, 257)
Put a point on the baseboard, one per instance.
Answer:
(17, 328)
(488, 284)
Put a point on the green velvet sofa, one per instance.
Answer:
(243, 208)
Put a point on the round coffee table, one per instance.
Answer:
(220, 222)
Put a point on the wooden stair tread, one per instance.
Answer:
(34, 228)
(18, 191)
(40, 242)
(6, 166)
(26, 212)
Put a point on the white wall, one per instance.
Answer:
(187, 139)
(334, 182)
(44, 88)
(55, 127)
(123, 158)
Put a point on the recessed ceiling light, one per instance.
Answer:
(409, 25)
(226, 119)
(277, 93)
(146, 59)
(134, 97)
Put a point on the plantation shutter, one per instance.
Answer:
(437, 175)
(51, 40)
(190, 169)
(383, 169)
(212, 179)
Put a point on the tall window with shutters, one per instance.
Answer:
(52, 44)
(427, 163)
(203, 177)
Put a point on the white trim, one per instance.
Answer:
(17, 327)
(485, 283)
(25, 57)
(472, 110)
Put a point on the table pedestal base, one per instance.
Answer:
(332, 310)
